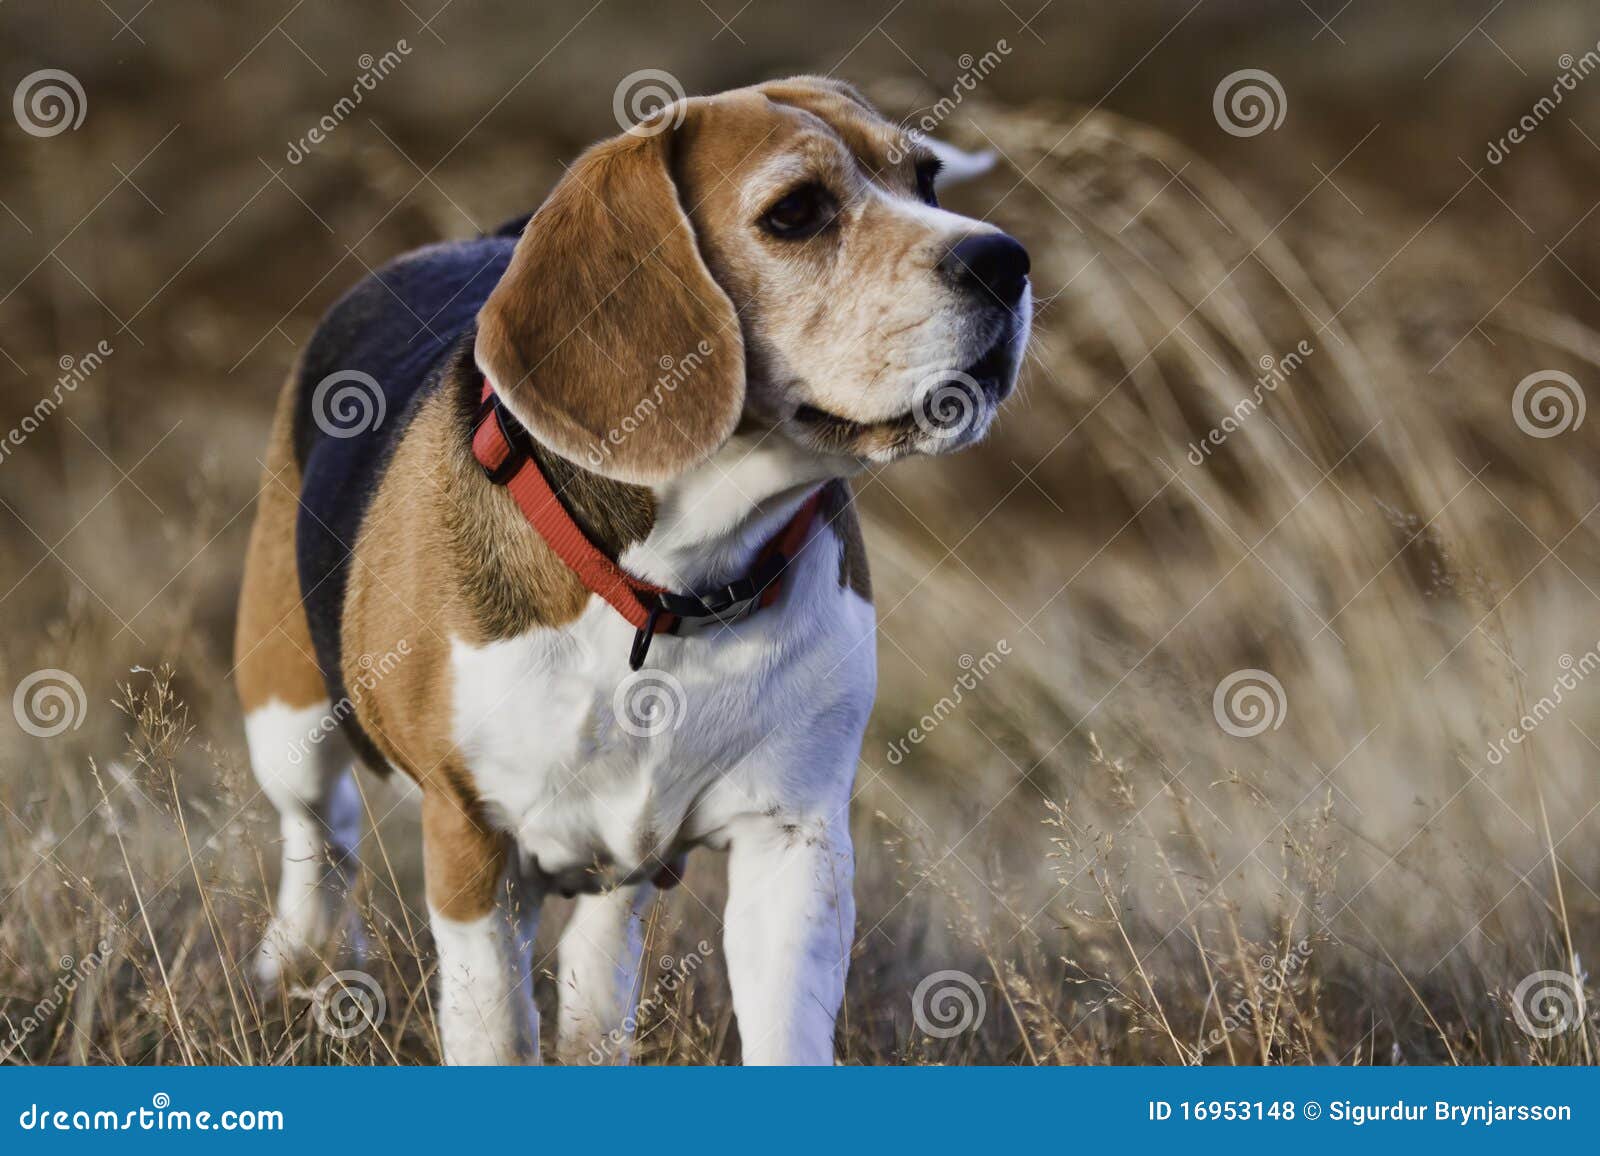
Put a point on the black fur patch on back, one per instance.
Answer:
(383, 346)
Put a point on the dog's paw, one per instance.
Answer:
(294, 949)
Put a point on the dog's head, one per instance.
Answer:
(773, 256)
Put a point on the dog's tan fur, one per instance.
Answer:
(272, 641)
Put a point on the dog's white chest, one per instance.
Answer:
(604, 774)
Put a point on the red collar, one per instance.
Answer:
(501, 446)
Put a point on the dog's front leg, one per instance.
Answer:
(788, 928)
(483, 927)
(599, 965)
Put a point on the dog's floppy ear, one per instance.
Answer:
(607, 336)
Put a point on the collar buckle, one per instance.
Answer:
(643, 637)
(726, 605)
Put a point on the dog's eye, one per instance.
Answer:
(801, 213)
(926, 172)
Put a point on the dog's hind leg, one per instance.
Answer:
(300, 759)
(306, 772)
(599, 975)
(484, 919)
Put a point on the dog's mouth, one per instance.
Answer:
(949, 409)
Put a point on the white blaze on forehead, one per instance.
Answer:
(939, 221)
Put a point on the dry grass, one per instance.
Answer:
(1122, 879)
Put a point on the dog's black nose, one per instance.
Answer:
(991, 265)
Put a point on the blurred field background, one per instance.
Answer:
(1116, 876)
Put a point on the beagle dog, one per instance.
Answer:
(556, 522)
